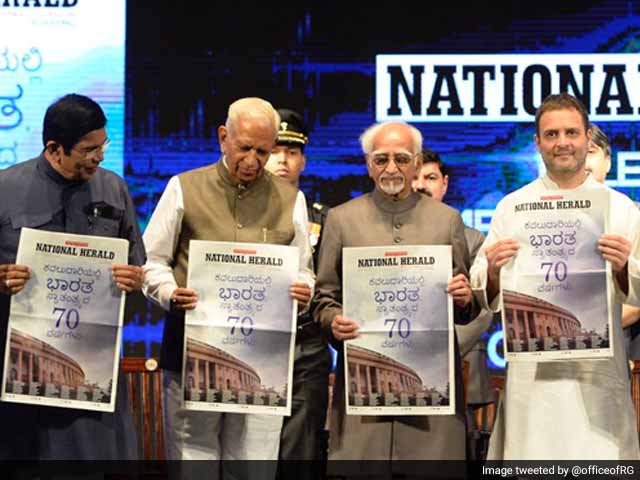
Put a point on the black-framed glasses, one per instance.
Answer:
(382, 159)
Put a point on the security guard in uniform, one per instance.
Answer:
(303, 435)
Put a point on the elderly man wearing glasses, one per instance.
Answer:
(392, 214)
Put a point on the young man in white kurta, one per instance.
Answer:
(573, 409)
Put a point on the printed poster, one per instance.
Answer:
(65, 327)
(555, 294)
(402, 362)
(239, 340)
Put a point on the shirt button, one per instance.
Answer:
(397, 226)
(397, 240)
(239, 225)
(240, 197)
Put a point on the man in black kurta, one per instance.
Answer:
(64, 190)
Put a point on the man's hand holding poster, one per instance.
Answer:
(555, 291)
(65, 327)
(239, 340)
(402, 361)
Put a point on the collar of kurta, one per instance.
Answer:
(395, 206)
(223, 170)
(45, 167)
(588, 182)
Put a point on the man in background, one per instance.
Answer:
(433, 180)
(598, 155)
(599, 164)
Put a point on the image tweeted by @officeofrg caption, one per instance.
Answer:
(562, 469)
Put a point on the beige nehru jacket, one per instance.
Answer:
(216, 209)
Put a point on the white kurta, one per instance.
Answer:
(575, 409)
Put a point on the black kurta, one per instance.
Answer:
(34, 195)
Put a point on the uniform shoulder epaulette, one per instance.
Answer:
(320, 207)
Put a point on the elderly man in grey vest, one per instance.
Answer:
(391, 214)
(233, 200)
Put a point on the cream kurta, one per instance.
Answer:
(575, 409)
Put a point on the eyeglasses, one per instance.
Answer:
(382, 159)
(99, 149)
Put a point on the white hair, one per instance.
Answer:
(366, 139)
(252, 107)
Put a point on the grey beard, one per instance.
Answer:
(392, 188)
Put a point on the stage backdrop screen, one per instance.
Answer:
(49, 49)
(469, 79)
